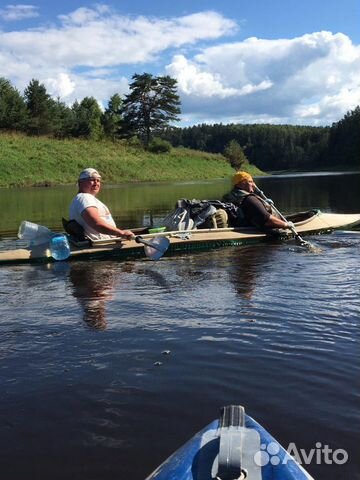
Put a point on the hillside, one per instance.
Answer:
(39, 161)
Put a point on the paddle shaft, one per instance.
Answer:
(138, 239)
(296, 234)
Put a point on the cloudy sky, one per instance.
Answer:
(248, 61)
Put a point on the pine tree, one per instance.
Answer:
(87, 119)
(235, 154)
(62, 120)
(150, 106)
(112, 118)
(13, 113)
(39, 105)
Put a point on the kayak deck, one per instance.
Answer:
(308, 223)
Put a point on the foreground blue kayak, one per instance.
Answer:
(231, 448)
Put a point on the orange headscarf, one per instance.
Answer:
(241, 176)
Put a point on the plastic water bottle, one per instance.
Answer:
(34, 233)
(59, 247)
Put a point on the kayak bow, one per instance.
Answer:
(235, 447)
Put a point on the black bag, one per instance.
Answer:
(74, 229)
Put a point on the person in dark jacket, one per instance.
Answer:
(253, 211)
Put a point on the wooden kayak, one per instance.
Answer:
(232, 448)
(307, 223)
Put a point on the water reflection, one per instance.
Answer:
(93, 285)
(247, 272)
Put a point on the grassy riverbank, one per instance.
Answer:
(39, 161)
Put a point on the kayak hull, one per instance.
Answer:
(196, 459)
(306, 223)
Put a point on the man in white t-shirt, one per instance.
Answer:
(90, 213)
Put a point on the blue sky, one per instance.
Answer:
(259, 61)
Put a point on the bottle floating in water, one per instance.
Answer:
(59, 247)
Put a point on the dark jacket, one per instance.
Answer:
(253, 210)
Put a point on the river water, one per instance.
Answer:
(106, 367)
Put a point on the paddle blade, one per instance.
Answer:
(156, 247)
(303, 243)
(311, 247)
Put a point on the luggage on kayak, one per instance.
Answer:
(189, 214)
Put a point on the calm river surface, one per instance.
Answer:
(272, 327)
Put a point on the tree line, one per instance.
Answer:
(148, 114)
(150, 106)
(277, 147)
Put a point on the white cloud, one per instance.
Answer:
(84, 15)
(90, 44)
(95, 37)
(193, 80)
(60, 86)
(18, 12)
(314, 78)
(311, 79)
(329, 106)
(100, 88)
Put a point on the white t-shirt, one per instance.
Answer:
(83, 201)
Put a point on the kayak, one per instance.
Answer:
(231, 448)
(311, 222)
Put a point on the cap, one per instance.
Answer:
(89, 173)
(241, 177)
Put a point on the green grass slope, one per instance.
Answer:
(39, 161)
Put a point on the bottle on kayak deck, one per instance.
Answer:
(36, 234)
(59, 247)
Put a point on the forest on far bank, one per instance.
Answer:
(146, 116)
(280, 147)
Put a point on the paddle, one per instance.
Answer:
(298, 238)
(154, 248)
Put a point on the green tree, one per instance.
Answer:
(62, 120)
(150, 106)
(39, 105)
(344, 141)
(159, 145)
(87, 119)
(13, 113)
(112, 118)
(269, 147)
(235, 154)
